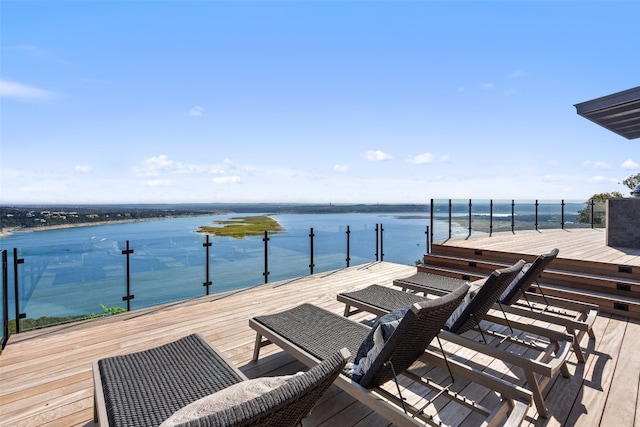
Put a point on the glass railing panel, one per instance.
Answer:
(549, 214)
(165, 269)
(4, 295)
(330, 241)
(524, 217)
(481, 218)
(405, 240)
(329, 248)
(236, 263)
(503, 215)
(362, 243)
(64, 282)
(440, 220)
(460, 217)
(572, 210)
(289, 254)
(600, 214)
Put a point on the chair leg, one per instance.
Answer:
(577, 349)
(95, 408)
(256, 347)
(538, 399)
(347, 309)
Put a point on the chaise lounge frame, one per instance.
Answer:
(307, 332)
(577, 317)
(538, 371)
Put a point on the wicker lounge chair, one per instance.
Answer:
(146, 388)
(310, 334)
(538, 371)
(577, 317)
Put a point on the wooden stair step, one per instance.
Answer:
(595, 282)
(622, 271)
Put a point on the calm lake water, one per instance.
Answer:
(76, 270)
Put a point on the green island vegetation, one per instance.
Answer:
(241, 227)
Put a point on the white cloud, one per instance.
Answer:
(341, 168)
(445, 158)
(597, 165)
(517, 73)
(23, 92)
(420, 159)
(226, 180)
(599, 178)
(629, 164)
(553, 178)
(159, 183)
(83, 168)
(156, 165)
(487, 86)
(377, 155)
(196, 111)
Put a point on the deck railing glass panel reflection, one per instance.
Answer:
(71, 279)
(450, 218)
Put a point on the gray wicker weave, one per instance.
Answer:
(529, 277)
(439, 284)
(488, 294)
(388, 299)
(319, 332)
(145, 388)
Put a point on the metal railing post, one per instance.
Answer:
(207, 282)
(562, 214)
(266, 257)
(490, 217)
(381, 242)
(126, 252)
(593, 204)
(5, 299)
(513, 215)
(536, 215)
(427, 234)
(469, 217)
(311, 265)
(348, 245)
(16, 262)
(377, 256)
(431, 222)
(449, 218)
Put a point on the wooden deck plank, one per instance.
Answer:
(619, 408)
(580, 244)
(590, 403)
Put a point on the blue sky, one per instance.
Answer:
(302, 101)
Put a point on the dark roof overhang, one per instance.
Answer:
(619, 112)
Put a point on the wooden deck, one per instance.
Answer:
(585, 244)
(46, 379)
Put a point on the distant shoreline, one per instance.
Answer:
(10, 230)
